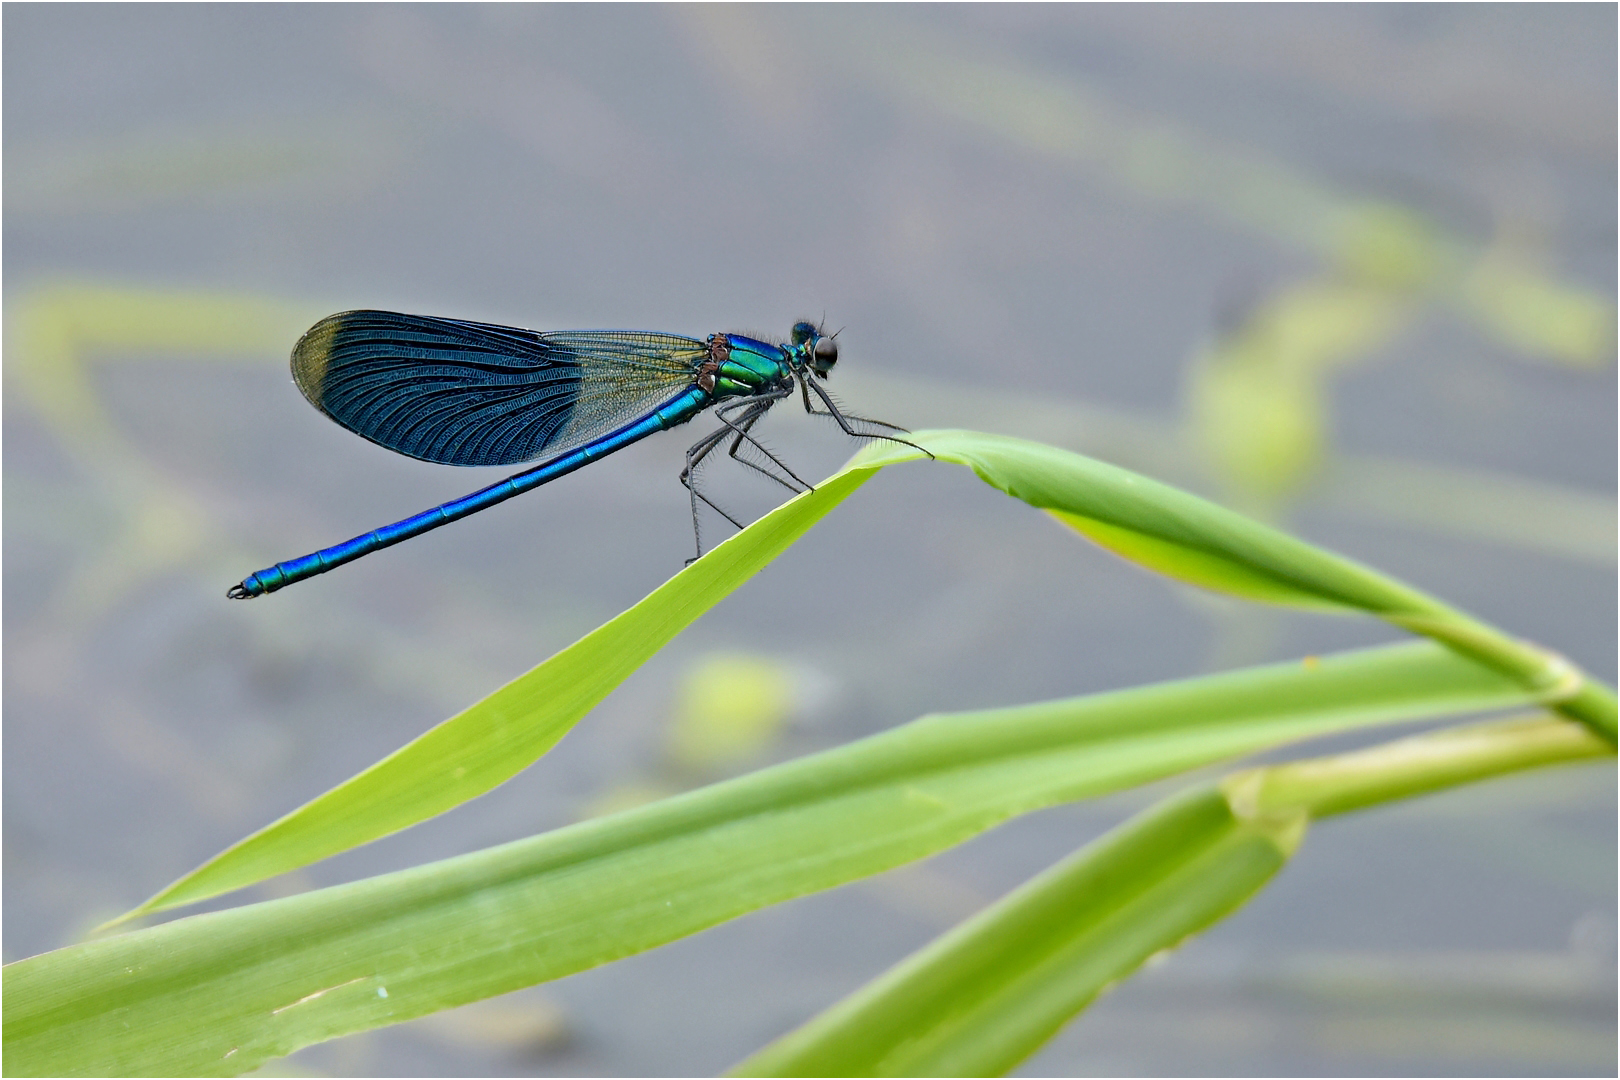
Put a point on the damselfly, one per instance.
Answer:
(468, 393)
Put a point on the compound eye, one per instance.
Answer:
(803, 332)
(825, 357)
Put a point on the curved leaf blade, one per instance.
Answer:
(1183, 536)
(493, 740)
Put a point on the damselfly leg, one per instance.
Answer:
(847, 421)
(737, 420)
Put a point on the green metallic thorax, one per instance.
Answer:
(749, 366)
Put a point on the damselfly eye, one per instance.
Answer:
(803, 332)
(826, 355)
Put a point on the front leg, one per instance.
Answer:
(846, 422)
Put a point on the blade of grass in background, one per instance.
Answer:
(1156, 525)
(226, 991)
(986, 995)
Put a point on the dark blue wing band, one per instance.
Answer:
(460, 393)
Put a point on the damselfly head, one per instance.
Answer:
(823, 351)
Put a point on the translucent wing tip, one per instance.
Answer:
(311, 355)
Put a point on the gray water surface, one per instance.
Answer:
(1054, 221)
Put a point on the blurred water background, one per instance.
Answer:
(1351, 269)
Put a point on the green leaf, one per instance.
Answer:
(986, 995)
(1166, 529)
(226, 991)
(1185, 537)
(979, 1000)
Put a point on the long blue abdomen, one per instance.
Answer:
(673, 413)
